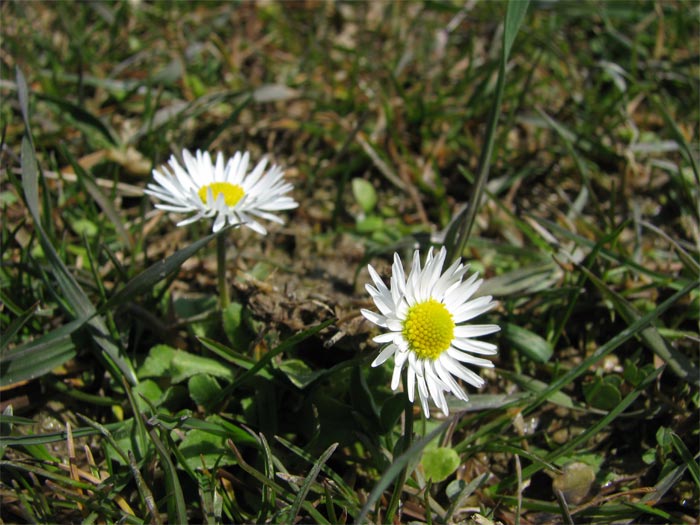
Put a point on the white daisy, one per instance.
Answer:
(222, 190)
(425, 315)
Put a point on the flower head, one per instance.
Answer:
(425, 315)
(225, 191)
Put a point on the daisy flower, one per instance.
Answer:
(425, 315)
(223, 190)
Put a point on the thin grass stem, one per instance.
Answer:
(224, 297)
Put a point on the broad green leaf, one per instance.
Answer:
(298, 372)
(438, 463)
(527, 343)
(158, 362)
(149, 390)
(574, 481)
(203, 389)
(234, 328)
(185, 365)
(364, 194)
(268, 357)
(202, 446)
(602, 394)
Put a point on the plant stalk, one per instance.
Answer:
(224, 297)
(407, 441)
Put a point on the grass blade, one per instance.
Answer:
(687, 457)
(16, 325)
(458, 234)
(105, 204)
(78, 301)
(157, 272)
(397, 467)
(677, 362)
(177, 508)
(268, 357)
(310, 478)
(40, 356)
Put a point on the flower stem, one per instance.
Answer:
(224, 298)
(407, 440)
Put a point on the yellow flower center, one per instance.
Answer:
(232, 192)
(428, 328)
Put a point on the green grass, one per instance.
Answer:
(129, 395)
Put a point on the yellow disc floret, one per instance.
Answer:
(232, 192)
(429, 329)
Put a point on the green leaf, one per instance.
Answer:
(16, 325)
(298, 372)
(310, 478)
(158, 362)
(177, 508)
(398, 465)
(527, 343)
(23, 96)
(185, 365)
(267, 358)
(458, 233)
(515, 13)
(687, 457)
(40, 356)
(76, 297)
(92, 126)
(127, 438)
(234, 328)
(677, 361)
(364, 194)
(203, 389)
(149, 390)
(202, 446)
(601, 393)
(155, 273)
(391, 411)
(106, 204)
(439, 463)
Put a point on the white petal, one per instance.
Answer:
(475, 330)
(410, 382)
(454, 368)
(219, 222)
(464, 357)
(399, 360)
(387, 337)
(374, 317)
(385, 354)
(475, 346)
